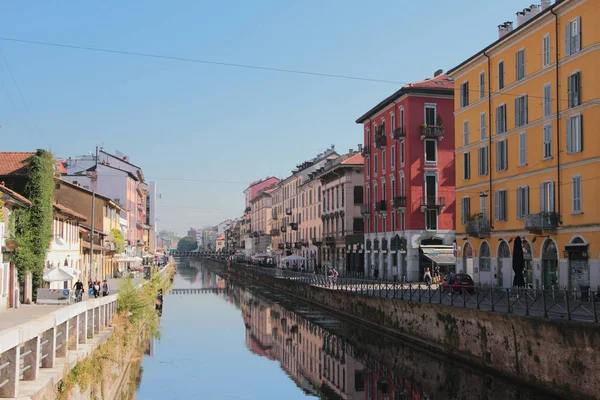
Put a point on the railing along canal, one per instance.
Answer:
(543, 303)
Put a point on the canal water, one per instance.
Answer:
(250, 343)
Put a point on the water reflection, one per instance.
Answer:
(333, 359)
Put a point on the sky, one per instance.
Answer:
(204, 131)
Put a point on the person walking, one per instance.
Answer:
(96, 289)
(427, 276)
(105, 289)
(376, 273)
(78, 290)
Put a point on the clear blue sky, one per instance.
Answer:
(205, 122)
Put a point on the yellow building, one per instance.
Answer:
(526, 149)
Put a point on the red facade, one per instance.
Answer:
(426, 167)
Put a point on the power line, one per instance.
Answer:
(199, 61)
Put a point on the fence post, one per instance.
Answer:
(568, 307)
(508, 300)
(492, 298)
(477, 297)
(593, 297)
(526, 304)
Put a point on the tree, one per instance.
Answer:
(118, 240)
(188, 243)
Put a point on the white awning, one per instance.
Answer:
(58, 275)
(440, 255)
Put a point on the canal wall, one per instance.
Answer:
(561, 356)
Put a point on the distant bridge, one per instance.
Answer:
(197, 254)
(197, 290)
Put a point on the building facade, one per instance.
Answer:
(261, 223)
(252, 191)
(409, 180)
(530, 158)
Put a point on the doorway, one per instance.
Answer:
(503, 263)
(549, 265)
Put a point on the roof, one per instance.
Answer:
(221, 237)
(67, 211)
(441, 85)
(131, 175)
(125, 160)
(60, 167)
(14, 163)
(509, 35)
(14, 195)
(356, 159)
(82, 189)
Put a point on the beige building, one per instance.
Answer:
(277, 211)
(312, 226)
(262, 221)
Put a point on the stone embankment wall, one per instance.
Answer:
(561, 356)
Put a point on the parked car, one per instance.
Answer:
(461, 282)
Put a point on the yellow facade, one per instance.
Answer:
(562, 215)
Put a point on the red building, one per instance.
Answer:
(409, 205)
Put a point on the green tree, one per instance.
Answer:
(118, 240)
(188, 243)
(33, 226)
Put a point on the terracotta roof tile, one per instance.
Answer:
(65, 210)
(221, 237)
(14, 163)
(356, 159)
(438, 82)
(13, 194)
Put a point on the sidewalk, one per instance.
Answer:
(28, 312)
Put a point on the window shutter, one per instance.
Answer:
(569, 135)
(568, 39)
(542, 198)
(577, 88)
(570, 91)
(497, 206)
(519, 204)
(526, 111)
(551, 196)
(505, 155)
(581, 132)
(497, 156)
(526, 200)
(517, 119)
(578, 38)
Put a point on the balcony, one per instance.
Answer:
(281, 246)
(247, 210)
(288, 211)
(255, 234)
(294, 226)
(432, 131)
(274, 232)
(543, 221)
(381, 207)
(329, 241)
(304, 243)
(316, 242)
(432, 202)
(400, 202)
(399, 134)
(478, 227)
(274, 215)
(366, 151)
(283, 228)
(380, 141)
(365, 210)
(298, 245)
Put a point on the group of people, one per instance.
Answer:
(95, 288)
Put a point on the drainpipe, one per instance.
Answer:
(491, 196)
(558, 180)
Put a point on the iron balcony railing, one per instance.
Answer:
(381, 206)
(399, 133)
(294, 226)
(478, 228)
(288, 211)
(283, 228)
(432, 131)
(400, 202)
(366, 151)
(274, 215)
(380, 141)
(433, 201)
(274, 232)
(542, 221)
(316, 242)
(330, 241)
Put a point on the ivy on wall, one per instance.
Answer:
(33, 226)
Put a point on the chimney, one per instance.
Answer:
(350, 151)
(333, 147)
(545, 4)
(521, 17)
(531, 12)
(505, 29)
(360, 148)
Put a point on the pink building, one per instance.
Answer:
(250, 193)
(409, 180)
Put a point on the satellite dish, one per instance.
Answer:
(438, 72)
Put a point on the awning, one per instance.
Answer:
(440, 255)
(57, 275)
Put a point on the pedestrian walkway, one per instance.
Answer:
(29, 312)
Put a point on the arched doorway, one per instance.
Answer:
(528, 265)
(484, 261)
(384, 252)
(468, 259)
(395, 249)
(376, 255)
(579, 266)
(549, 264)
(503, 266)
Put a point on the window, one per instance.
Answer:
(375, 162)
(521, 111)
(392, 123)
(465, 210)
(383, 191)
(482, 123)
(430, 114)
(402, 118)
(574, 136)
(546, 51)
(393, 157)
(402, 220)
(547, 100)
(464, 94)
(520, 64)
(394, 194)
(483, 207)
(467, 166)
(500, 205)
(547, 197)
(547, 141)
(482, 85)
(573, 37)
(383, 160)
(431, 220)
(368, 136)
(465, 133)
(501, 119)
(522, 202)
(368, 163)
(482, 160)
(574, 90)
(430, 151)
(522, 149)
(576, 182)
(500, 75)
(402, 153)
(501, 155)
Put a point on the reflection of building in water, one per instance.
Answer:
(342, 373)
(381, 383)
(259, 339)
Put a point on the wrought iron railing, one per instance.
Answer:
(541, 221)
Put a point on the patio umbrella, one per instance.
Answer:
(518, 263)
(58, 275)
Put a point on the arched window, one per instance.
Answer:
(468, 250)
(484, 257)
(503, 250)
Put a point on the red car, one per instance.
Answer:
(461, 282)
